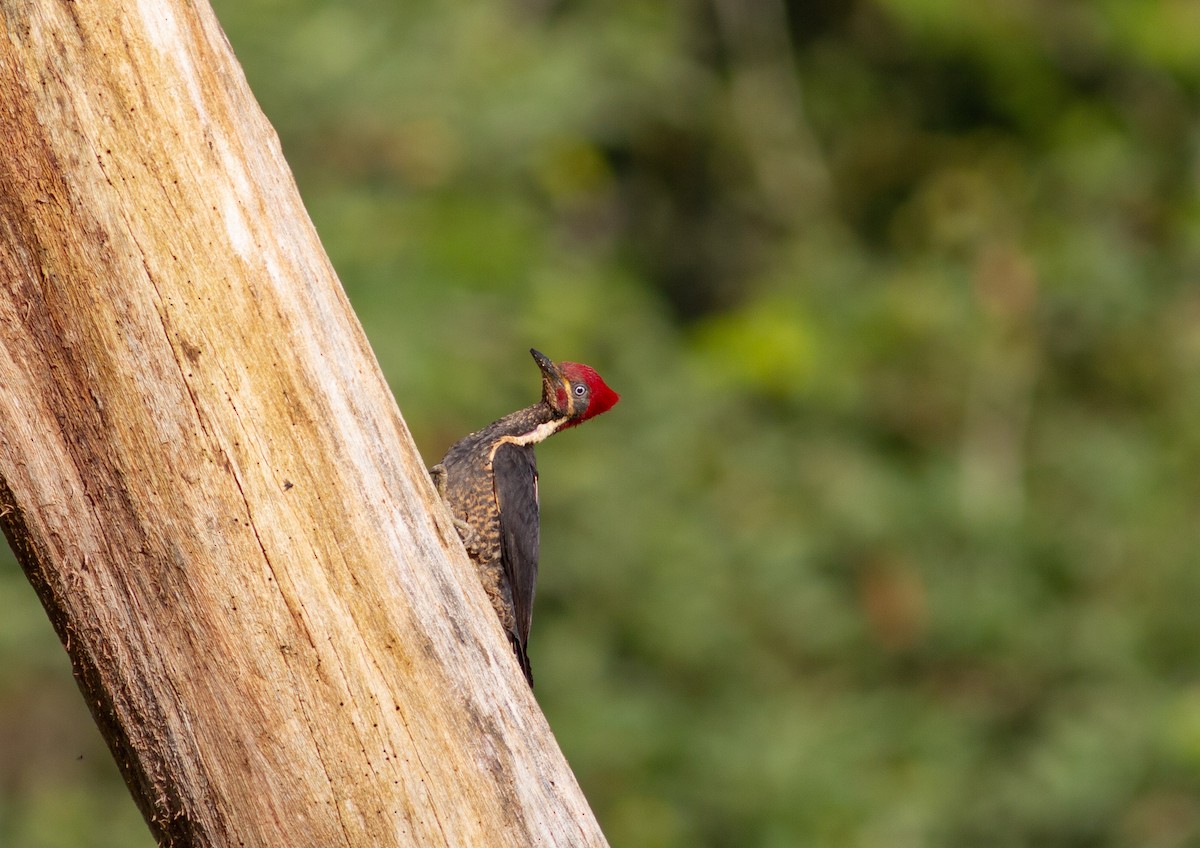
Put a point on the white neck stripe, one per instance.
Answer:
(534, 436)
(539, 433)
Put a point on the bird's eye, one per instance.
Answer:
(580, 390)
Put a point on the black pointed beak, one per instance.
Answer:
(549, 370)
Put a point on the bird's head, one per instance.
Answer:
(574, 391)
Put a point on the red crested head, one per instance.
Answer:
(600, 398)
(573, 390)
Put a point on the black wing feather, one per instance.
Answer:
(515, 468)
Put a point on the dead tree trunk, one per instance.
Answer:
(208, 482)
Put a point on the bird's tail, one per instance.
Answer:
(522, 657)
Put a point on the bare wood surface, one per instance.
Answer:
(208, 482)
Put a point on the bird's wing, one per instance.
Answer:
(515, 479)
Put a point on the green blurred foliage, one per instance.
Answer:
(892, 540)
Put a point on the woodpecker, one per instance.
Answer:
(489, 480)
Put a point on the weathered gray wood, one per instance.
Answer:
(208, 482)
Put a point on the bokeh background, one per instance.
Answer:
(892, 540)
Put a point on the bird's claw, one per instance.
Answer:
(465, 532)
(438, 475)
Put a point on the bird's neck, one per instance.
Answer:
(528, 426)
